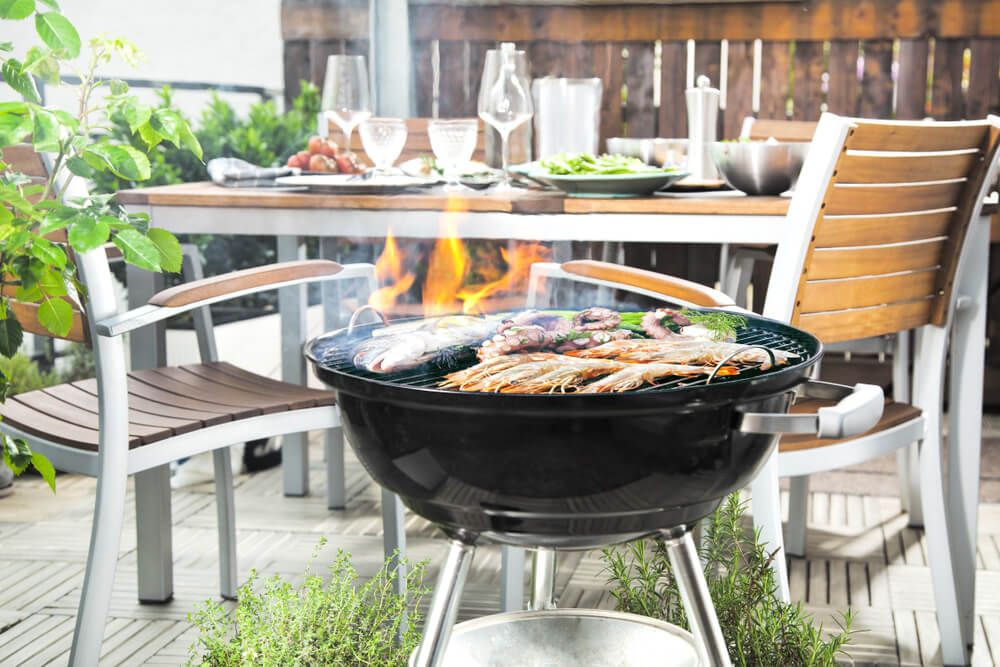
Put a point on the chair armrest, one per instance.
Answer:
(199, 293)
(668, 286)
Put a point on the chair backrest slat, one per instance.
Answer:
(884, 250)
(759, 129)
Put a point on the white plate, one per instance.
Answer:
(354, 184)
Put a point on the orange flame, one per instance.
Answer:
(389, 272)
(448, 267)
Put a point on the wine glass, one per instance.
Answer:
(453, 142)
(504, 100)
(383, 140)
(346, 100)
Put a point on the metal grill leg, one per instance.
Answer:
(543, 579)
(697, 602)
(444, 605)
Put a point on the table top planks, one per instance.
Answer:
(205, 194)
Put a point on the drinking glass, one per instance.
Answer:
(453, 142)
(504, 100)
(383, 140)
(346, 100)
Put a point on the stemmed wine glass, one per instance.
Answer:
(383, 140)
(453, 143)
(504, 100)
(346, 99)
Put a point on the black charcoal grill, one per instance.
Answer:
(575, 470)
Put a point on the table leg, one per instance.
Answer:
(154, 548)
(965, 417)
(292, 307)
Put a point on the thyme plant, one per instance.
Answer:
(760, 629)
(340, 621)
(36, 268)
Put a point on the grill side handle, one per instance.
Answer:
(858, 409)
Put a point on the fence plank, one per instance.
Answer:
(319, 51)
(807, 86)
(423, 78)
(706, 61)
(608, 67)
(775, 64)
(911, 82)
(843, 90)
(454, 99)
(739, 88)
(946, 86)
(984, 87)
(639, 113)
(296, 68)
(673, 112)
(876, 86)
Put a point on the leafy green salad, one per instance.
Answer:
(586, 164)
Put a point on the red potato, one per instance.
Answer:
(318, 163)
(347, 163)
(316, 144)
(303, 158)
(293, 161)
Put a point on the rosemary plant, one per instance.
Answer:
(339, 621)
(760, 629)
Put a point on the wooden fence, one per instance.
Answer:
(869, 58)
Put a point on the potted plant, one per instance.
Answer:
(35, 268)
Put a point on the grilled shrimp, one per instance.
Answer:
(493, 365)
(707, 353)
(634, 376)
(530, 373)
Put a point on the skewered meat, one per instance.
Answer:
(596, 319)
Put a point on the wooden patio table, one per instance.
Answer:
(203, 208)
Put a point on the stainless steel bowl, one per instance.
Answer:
(760, 167)
(656, 152)
(578, 637)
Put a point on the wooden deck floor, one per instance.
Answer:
(862, 556)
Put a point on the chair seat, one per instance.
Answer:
(163, 402)
(893, 414)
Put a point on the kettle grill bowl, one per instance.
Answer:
(569, 471)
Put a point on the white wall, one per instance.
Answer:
(219, 41)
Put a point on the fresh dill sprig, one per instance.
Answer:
(722, 325)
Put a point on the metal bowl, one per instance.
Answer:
(578, 637)
(760, 167)
(656, 152)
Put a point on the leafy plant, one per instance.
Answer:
(338, 622)
(25, 375)
(34, 267)
(759, 628)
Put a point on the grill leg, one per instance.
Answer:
(444, 605)
(697, 602)
(543, 579)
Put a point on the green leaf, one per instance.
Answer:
(16, 453)
(11, 335)
(16, 9)
(165, 122)
(13, 73)
(87, 233)
(138, 249)
(28, 294)
(136, 114)
(51, 4)
(56, 315)
(79, 166)
(118, 87)
(49, 252)
(52, 284)
(149, 136)
(169, 248)
(6, 47)
(58, 34)
(123, 161)
(45, 469)
(42, 63)
(45, 130)
(188, 140)
(13, 128)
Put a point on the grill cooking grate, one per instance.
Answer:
(339, 358)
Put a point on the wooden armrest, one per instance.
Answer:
(668, 286)
(246, 279)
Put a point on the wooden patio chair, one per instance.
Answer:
(877, 246)
(122, 422)
(760, 129)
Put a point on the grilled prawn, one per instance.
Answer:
(673, 351)
(633, 376)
